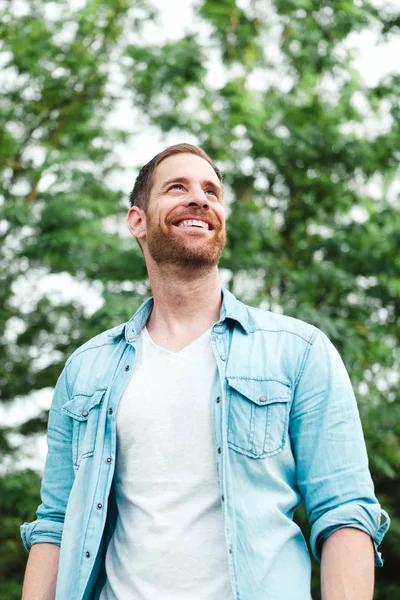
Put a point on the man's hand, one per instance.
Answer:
(347, 566)
(41, 573)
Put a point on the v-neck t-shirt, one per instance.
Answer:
(169, 541)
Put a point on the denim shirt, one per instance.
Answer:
(286, 429)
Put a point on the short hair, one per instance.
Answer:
(140, 194)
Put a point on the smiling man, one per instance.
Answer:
(181, 442)
(175, 232)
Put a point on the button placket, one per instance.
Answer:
(219, 348)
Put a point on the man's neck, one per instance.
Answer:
(186, 304)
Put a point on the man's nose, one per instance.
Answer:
(198, 198)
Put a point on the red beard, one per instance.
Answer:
(185, 249)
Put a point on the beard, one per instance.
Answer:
(180, 250)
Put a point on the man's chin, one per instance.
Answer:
(196, 251)
(181, 255)
(185, 260)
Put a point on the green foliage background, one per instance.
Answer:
(309, 152)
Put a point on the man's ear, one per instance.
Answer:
(136, 220)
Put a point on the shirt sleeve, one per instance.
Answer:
(58, 475)
(329, 448)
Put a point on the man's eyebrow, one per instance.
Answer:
(205, 183)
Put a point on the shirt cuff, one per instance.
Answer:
(41, 531)
(366, 517)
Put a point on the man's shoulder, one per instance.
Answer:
(255, 319)
(110, 337)
(265, 320)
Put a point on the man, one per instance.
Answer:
(228, 418)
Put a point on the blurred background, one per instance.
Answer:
(297, 101)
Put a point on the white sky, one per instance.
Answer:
(373, 59)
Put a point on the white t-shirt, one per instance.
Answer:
(169, 541)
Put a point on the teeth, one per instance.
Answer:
(193, 223)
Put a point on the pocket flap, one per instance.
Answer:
(261, 391)
(80, 406)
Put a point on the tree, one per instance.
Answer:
(59, 211)
(18, 501)
(309, 154)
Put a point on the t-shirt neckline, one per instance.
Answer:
(166, 352)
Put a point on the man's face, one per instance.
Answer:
(185, 219)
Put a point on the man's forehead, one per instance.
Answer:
(188, 166)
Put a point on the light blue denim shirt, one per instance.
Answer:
(286, 430)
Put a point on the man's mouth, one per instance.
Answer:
(194, 223)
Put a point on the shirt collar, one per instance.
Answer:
(231, 308)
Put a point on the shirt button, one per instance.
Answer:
(218, 399)
(87, 554)
(223, 358)
(109, 460)
(110, 411)
(230, 550)
(263, 398)
(99, 505)
(222, 498)
(219, 450)
(127, 368)
(85, 413)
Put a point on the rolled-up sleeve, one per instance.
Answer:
(332, 464)
(41, 531)
(58, 475)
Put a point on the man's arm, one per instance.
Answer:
(42, 537)
(331, 458)
(41, 573)
(347, 566)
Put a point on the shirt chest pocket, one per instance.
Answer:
(85, 411)
(258, 416)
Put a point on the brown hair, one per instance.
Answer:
(140, 194)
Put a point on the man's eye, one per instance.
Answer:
(213, 192)
(178, 186)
